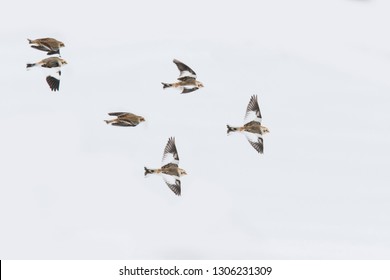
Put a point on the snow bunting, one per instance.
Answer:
(187, 79)
(252, 128)
(170, 170)
(125, 119)
(49, 45)
(51, 62)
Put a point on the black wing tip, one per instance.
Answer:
(53, 52)
(253, 98)
(185, 90)
(53, 83)
(116, 113)
(258, 146)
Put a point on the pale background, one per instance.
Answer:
(72, 187)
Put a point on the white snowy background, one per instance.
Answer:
(72, 187)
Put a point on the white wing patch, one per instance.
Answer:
(173, 182)
(170, 153)
(253, 110)
(256, 141)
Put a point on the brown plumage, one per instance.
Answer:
(49, 45)
(52, 80)
(125, 119)
(252, 128)
(187, 79)
(50, 62)
(170, 169)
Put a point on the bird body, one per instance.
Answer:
(50, 62)
(125, 119)
(251, 127)
(49, 45)
(168, 170)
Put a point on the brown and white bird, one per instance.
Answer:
(50, 62)
(252, 128)
(187, 80)
(49, 45)
(124, 119)
(170, 170)
(52, 80)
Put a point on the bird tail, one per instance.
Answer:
(165, 85)
(149, 171)
(231, 129)
(29, 65)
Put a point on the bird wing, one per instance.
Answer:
(173, 182)
(187, 79)
(117, 114)
(253, 110)
(256, 140)
(41, 48)
(123, 123)
(185, 71)
(50, 43)
(187, 90)
(170, 155)
(53, 83)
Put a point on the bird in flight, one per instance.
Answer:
(52, 80)
(252, 128)
(49, 45)
(124, 119)
(187, 80)
(170, 170)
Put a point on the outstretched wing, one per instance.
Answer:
(117, 114)
(170, 155)
(41, 48)
(185, 71)
(53, 83)
(256, 140)
(173, 182)
(123, 123)
(253, 110)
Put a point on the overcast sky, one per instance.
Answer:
(72, 187)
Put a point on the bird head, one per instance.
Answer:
(264, 129)
(141, 119)
(62, 45)
(182, 172)
(63, 61)
(199, 84)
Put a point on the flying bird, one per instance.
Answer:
(50, 62)
(49, 45)
(170, 170)
(252, 128)
(187, 80)
(124, 119)
(52, 80)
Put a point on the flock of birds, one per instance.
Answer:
(187, 82)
